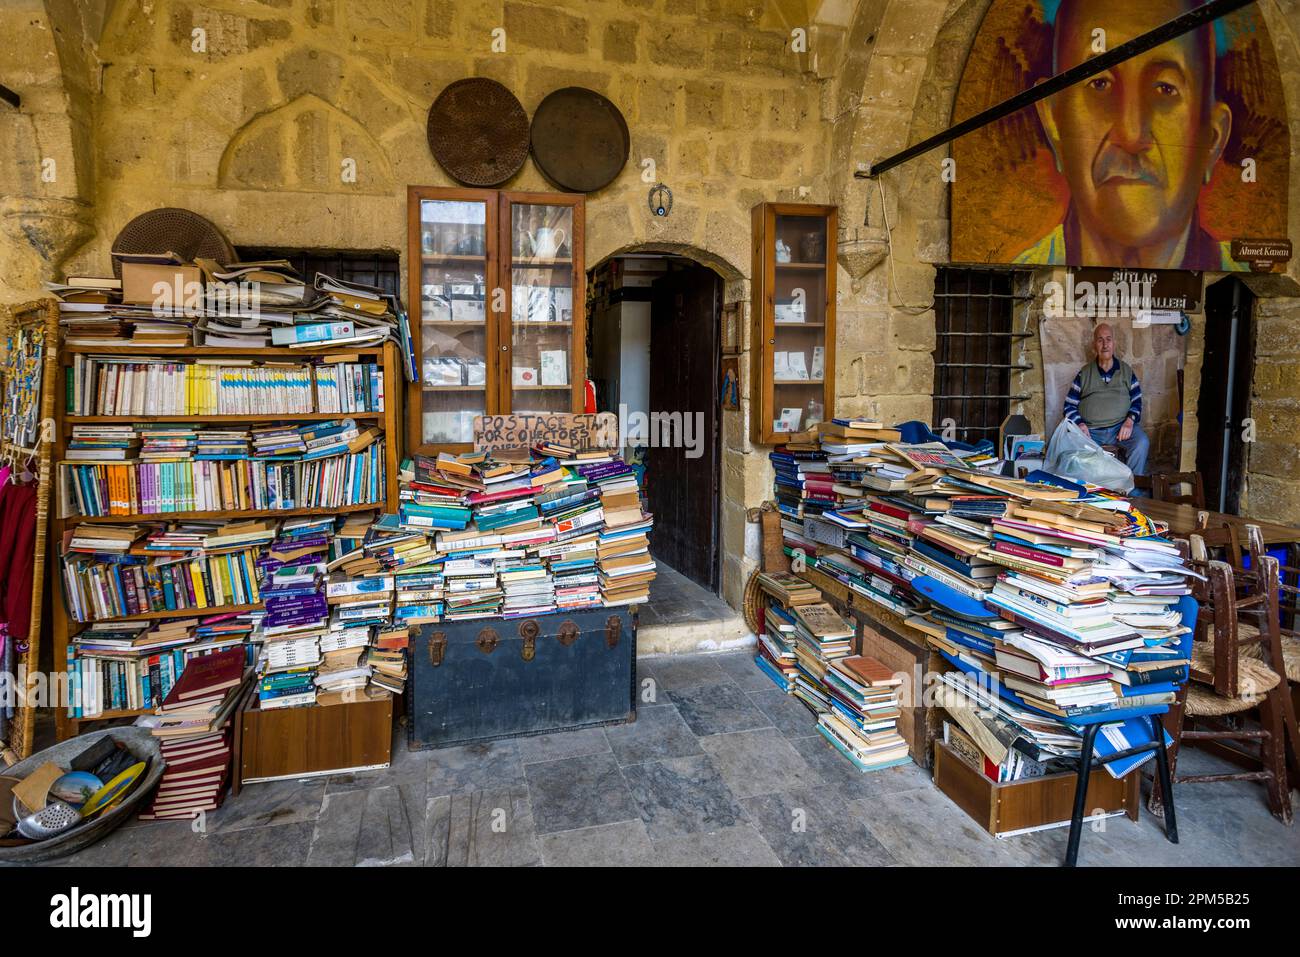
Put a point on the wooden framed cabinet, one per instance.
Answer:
(792, 344)
(497, 287)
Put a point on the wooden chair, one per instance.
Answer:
(1229, 679)
(1164, 483)
(1279, 646)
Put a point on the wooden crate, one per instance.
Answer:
(300, 742)
(1033, 803)
(899, 654)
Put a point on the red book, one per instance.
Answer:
(892, 511)
(206, 675)
(1043, 558)
(478, 498)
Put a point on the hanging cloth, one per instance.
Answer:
(17, 556)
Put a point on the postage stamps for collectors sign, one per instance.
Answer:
(597, 430)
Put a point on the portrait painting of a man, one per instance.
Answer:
(1138, 166)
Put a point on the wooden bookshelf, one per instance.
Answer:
(71, 420)
(63, 628)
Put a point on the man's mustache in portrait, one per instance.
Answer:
(1116, 163)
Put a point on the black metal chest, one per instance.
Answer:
(478, 680)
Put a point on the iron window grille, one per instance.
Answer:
(980, 317)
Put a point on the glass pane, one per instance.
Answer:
(453, 318)
(799, 352)
(541, 307)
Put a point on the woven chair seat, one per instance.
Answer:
(1291, 656)
(1255, 679)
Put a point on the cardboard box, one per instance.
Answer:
(139, 279)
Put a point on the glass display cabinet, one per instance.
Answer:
(792, 313)
(496, 291)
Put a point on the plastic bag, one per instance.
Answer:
(1073, 455)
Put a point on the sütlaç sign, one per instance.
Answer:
(597, 430)
(1261, 253)
(1115, 293)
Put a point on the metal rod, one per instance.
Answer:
(10, 97)
(1184, 23)
(1229, 411)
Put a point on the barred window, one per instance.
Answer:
(979, 314)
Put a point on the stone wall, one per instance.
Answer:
(252, 130)
(247, 111)
(1273, 459)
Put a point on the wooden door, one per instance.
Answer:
(684, 358)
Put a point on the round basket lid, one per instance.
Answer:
(180, 231)
(478, 132)
(579, 139)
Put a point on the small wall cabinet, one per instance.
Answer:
(497, 289)
(792, 344)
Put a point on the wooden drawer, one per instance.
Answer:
(1032, 803)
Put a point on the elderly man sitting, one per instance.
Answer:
(1105, 401)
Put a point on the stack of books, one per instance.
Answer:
(193, 722)
(518, 535)
(153, 573)
(246, 305)
(862, 721)
(329, 464)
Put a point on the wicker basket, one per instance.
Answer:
(751, 604)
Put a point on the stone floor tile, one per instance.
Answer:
(759, 762)
(579, 792)
(681, 796)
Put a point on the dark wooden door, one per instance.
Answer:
(1224, 402)
(682, 488)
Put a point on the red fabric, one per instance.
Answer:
(17, 556)
(589, 394)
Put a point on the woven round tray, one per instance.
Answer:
(169, 229)
(478, 132)
(579, 139)
(751, 604)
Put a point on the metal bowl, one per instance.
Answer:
(143, 745)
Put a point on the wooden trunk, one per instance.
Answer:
(299, 742)
(475, 681)
(1032, 803)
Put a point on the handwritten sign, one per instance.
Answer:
(525, 429)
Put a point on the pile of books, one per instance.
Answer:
(862, 722)
(1062, 599)
(119, 666)
(130, 470)
(227, 305)
(113, 571)
(193, 722)
(521, 534)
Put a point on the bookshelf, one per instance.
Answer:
(793, 315)
(386, 357)
(497, 294)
